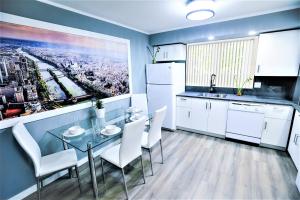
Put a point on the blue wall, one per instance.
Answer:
(230, 29)
(239, 28)
(16, 170)
(40, 11)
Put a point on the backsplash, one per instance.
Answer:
(271, 87)
(296, 97)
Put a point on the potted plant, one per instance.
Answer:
(153, 54)
(100, 110)
(240, 86)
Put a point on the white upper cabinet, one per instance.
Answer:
(172, 52)
(278, 54)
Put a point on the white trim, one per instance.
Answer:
(225, 19)
(56, 176)
(58, 5)
(55, 27)
(222, 40)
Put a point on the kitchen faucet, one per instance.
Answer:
(212, 83)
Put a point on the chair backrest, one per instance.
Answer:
(29, 145)
(140, 101)
(131, 142)
(156, 124)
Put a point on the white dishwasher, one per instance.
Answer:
(245, 121)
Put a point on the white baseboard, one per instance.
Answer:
(56, 176)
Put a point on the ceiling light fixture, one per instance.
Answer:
(200, 9)
(211, 37)
(252, 33)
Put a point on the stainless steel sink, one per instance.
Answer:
(220, 95)
(204, 94)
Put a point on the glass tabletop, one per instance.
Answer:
(91, 132)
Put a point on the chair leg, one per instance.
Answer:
(125, 186)
(161, 151)
(143, 169)
(70, 173)
(151, 161)
(103, 178)
(78, 177)
(38, 188)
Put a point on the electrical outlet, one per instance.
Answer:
(257, 85)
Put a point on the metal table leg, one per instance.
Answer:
(92, 170)
(65, 148)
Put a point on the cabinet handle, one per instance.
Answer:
(266, 123)
(209, 105)
(206, 105)
(189, 114)
(183, 99)
(258, 68)
(296, 139)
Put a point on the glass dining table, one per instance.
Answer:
(92, 135)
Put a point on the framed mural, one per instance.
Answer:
(45, 66)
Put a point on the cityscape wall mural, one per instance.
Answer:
(42, 69)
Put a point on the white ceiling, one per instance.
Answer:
(153, 16)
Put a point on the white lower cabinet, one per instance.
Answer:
(294, 143)
(277, 125)
(217, 117)
(276, 132)
(207, 115)
(199, 114)
(183, 117)
(202, 114)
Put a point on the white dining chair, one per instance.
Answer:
(151, 138)
(128, 150)
(140, 101)
(44, 166)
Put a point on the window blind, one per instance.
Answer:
(233, 61)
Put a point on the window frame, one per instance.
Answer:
(254, 59)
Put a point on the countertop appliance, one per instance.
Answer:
(245, 121)
(164, 82)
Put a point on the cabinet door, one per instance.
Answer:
(294, 144)
(161, 55)
(183, 117)
(217, 117)
(176, 52)
(278, 54)
(199, 114)
(171, 52)
(276, 132)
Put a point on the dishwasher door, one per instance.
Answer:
(249, 124)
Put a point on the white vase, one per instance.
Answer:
(100, 113)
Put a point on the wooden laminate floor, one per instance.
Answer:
(196, 167)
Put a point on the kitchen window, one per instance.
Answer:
(233, 61)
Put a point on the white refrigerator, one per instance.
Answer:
(164, 81)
